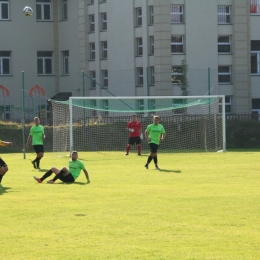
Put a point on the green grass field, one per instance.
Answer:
(199, 206)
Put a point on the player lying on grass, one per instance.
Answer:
(65, 174)
(3, 165)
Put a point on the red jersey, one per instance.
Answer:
(136, 126)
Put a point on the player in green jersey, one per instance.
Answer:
(37, 137)
(65, 174)
(3, 165)
(154, 133)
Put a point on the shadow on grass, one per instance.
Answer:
(71, 183)
(4, 190)
(175, 171)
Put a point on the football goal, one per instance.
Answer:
(192, 123)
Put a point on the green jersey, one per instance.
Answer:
(75, 168)
(37, 131)
(155, 132)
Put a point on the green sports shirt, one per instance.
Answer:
(155, 132)
(75, 168)
(37, 131)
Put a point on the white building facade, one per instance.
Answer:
(131, 48)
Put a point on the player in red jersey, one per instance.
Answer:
(135, 134)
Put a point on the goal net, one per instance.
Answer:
(192, 123)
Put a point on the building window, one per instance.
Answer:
(151, 14)
(91, 23)
(255, 57)
(140, 77)
(177, 44)
(228, 103)
(139, 42)
(177, 74)
(105, 106)
(93, 79)
(256, 106)
(91, 2)
(104, 50)
(224, 44)
(151, 49)
(103, 1)
(4, 10)
(140, 104)
(224, 14)
(5, 64)
(105, 78)
(43, 10)
(224, 74)
(65, 55)
(138, 12)
(255, 7)
(177, 14)
(152, 75)
(44, 62)
(92, 51)
(64, 10)
(103, 21)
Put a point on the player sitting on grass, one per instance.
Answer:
(66, 175)
(3, 166)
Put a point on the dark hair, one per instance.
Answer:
(74, 152)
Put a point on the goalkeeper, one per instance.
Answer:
(66, 175)
(135, 134)
(154, 133)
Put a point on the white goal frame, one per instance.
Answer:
(222, 97)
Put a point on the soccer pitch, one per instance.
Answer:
(198, 206)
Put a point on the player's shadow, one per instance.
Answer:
(4, 190)
(71, 183)
(43, 170)
(175, 171)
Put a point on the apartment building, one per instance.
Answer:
(130, 48)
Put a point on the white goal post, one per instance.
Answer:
(192, 123)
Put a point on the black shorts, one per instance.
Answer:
(2, 163)
(38, 148)
(134, 140)
(68, 178)
(153, 147)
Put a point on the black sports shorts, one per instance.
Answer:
(38, 148)
(153, 147)
(67, 178)
(134, 140)
(2, 163)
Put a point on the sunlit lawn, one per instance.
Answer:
(198, 206)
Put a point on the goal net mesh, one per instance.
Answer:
(192, 124)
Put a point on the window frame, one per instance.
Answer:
(65, 58)
(2, 11)
(104, 50)
(64, 12)
(255, 52)
(103, 22)
(225, 74)
(255, 7)
(177, 16)
(151, 45)
(92, 50)
(224, 43)
(224, 16)
(3, 58)
(139, 16)
(176, 74)
(42, 13)
(91, 23)
(93, 76)
(139, 46)
(152, 76)
(104, 74)
(44, 60)
(179, 45)
(151, 15)
(140, 76)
